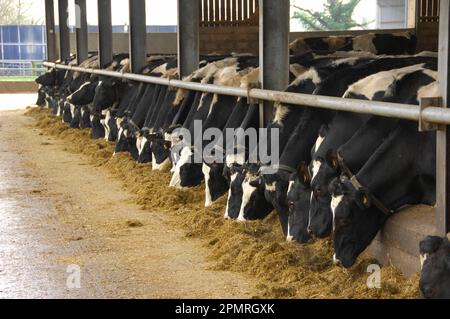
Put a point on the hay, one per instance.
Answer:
(283, 270)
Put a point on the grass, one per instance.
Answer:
(17, 78)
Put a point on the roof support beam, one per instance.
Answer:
(138, 30)
(443, 136)
(82, 31)
(188, 37)
(64, 32)
(273, 50)
(104, 32)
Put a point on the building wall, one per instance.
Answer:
(165, 43)
(229, 39)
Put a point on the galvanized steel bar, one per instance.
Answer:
(394, 110)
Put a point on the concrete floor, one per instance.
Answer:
(16, 101)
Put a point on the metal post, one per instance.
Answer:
(273, 50)
(64, 32)
(137, 36)
(188, 36)
(52, 55)
(104, 32)
(82, 32)
(443, 136)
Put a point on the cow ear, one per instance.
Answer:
(430, 245)
(256, 182)
(303, 173)
(332, 159)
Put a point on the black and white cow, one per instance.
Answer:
(376, 43)
(399, 85)
(400, 172)
(435, 262)
(213, 111)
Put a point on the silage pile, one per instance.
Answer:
(283, 270)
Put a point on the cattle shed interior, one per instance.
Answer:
(262, 27)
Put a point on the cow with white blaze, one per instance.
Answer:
(399, 85)
(361, 204)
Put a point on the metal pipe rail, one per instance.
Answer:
(431, 114)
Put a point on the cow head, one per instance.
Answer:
(215, 183)
(105, 93)
(110, 125)
(84, 95)
(126, 138)
(275, 190)
(67, 112)
(41, 96)
(143, 146)
(160, 150)
(298, 197)
(98, 131)
(435, 275)
(322, 173)
(355, 221)
(236, 178)
(254, 204)
(191, 174)
(51, 78)
(76, 115)
(85, 117)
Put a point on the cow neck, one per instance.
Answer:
(389, 173)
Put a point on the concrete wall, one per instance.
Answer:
(212, 40)
(242, 39)
(165, 43)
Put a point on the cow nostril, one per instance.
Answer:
(309, 230)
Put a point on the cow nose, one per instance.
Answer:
(289, 238)
(309, 230)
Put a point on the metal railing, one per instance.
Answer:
(430, 114)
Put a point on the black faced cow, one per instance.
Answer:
(400, 172)
(435, 262)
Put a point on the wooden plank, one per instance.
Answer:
(211, 13)
(245, 13)
(234, 12)
(239, 10)
(228, 11)
(222, 11)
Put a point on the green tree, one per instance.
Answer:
(336, 15)
(16, 12)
